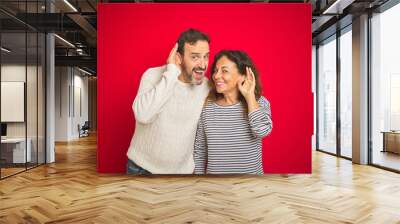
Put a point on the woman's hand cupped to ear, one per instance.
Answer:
(247, 84)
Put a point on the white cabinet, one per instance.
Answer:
(17, 146)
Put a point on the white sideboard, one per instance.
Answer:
(18, 149)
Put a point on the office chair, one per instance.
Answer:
(84, 130)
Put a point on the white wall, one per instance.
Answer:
(16, 73)
(33, 127)
(70, 83)
(80, 84)
(61, 103)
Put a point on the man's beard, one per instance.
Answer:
(189, 75)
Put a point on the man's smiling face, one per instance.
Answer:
(195, 61)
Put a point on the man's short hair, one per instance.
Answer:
(191, 36)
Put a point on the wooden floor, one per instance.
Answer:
(387, 159)
(70, 191)
(5, 172)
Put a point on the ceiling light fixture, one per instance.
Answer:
(64, 40)
(70, 5)
(86, 72)
(337, 7)
(5, 50)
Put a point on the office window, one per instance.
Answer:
(385, 88)
(327, 95)
(346, 93)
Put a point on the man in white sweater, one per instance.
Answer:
(167, 109)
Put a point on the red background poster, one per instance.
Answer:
(135, 37)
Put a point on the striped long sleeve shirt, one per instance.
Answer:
(229, 142)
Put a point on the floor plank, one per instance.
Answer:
(71, 191)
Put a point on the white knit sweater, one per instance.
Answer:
(167, 112)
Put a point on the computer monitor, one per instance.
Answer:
(3, 129)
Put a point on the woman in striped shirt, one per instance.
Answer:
(234, 118)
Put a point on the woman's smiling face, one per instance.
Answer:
(226, 76)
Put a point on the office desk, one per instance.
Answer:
(13, 150)
(391, 141)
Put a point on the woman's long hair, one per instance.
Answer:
(242, 60)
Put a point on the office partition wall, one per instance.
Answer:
(22, 87)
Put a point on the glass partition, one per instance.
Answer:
(22, 88)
